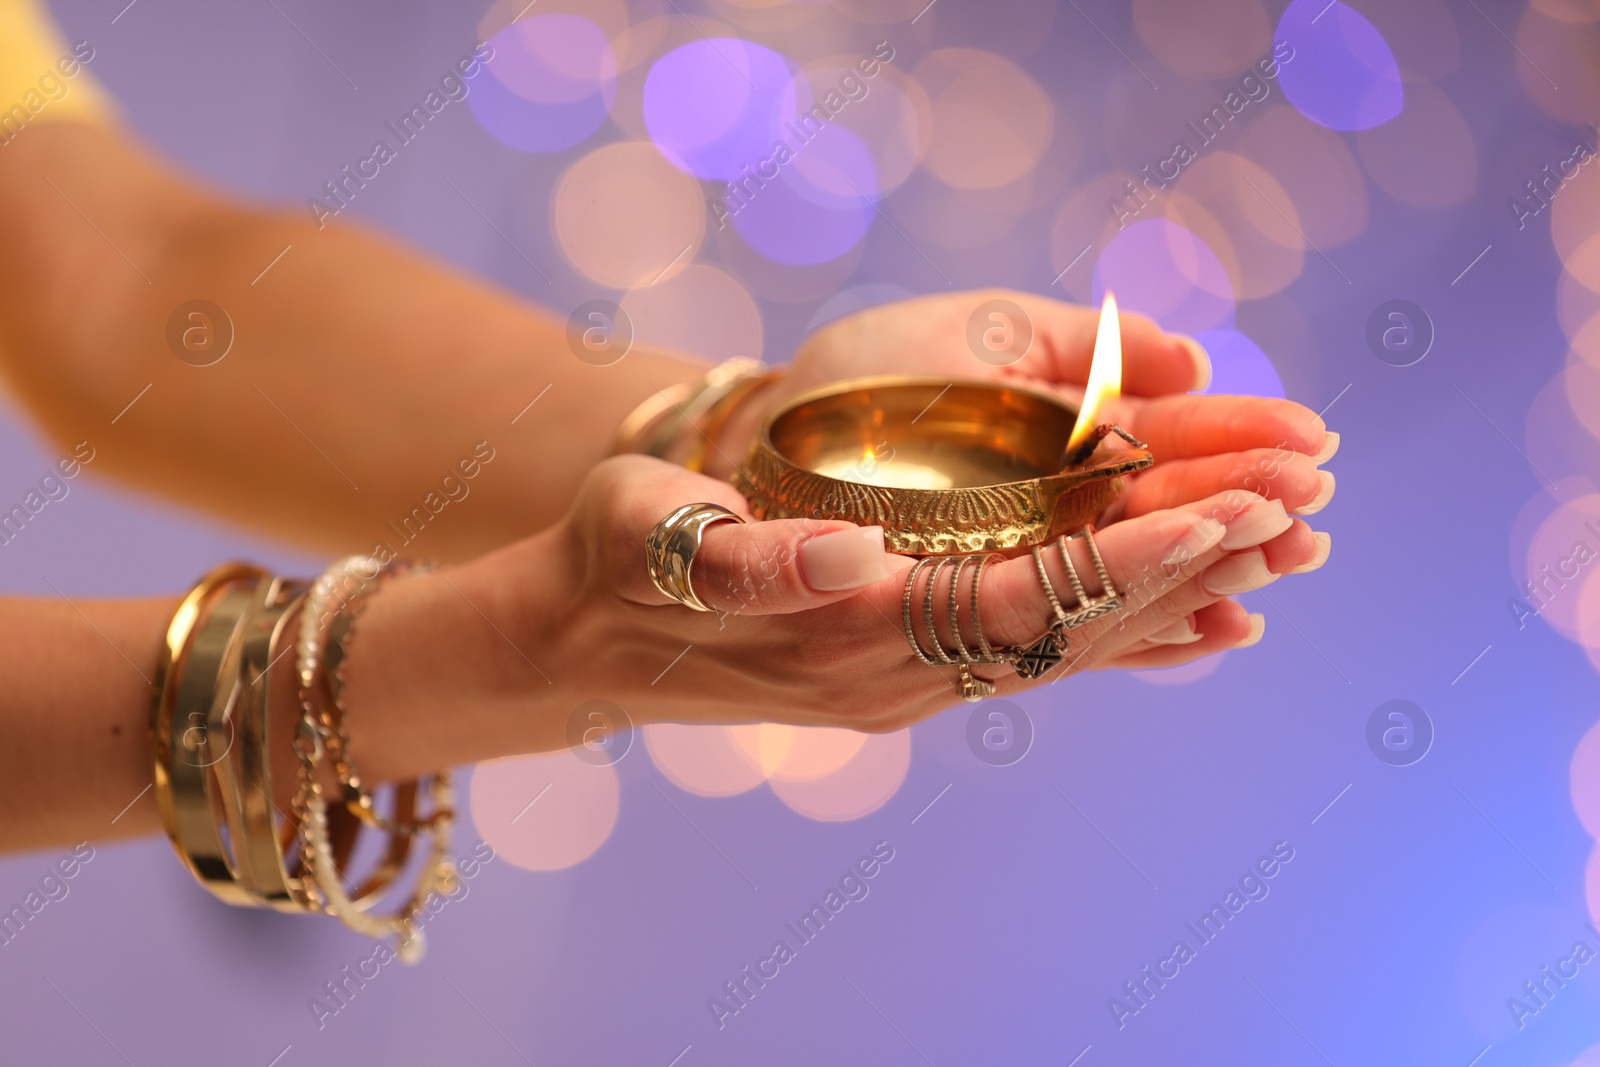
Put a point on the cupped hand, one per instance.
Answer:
(1203, 444)
(807, 624)
(994, 334)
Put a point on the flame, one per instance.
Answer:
(1105, 373)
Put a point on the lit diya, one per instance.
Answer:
(947, 467)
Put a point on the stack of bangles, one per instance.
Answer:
(212, 743)
(681, 422)
(212, 749)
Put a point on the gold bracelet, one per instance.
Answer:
(213, 780)
(191, 675)
(244, 782)
(678, 418)
(652, 410)
(665, 439)
(204, 771)
(335, 600)
(718, 414)
(331, 606)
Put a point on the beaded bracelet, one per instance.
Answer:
(335, 600)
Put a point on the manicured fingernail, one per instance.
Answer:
(1329, 447)
(1202, 363)
(1238, 574)
(1325, 486)
(1324, 546)
(1258, 626)
(1260, 523)
(1179, 633)
(845, 559)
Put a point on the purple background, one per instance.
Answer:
(1009, 914)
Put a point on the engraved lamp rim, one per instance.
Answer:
(998, 444)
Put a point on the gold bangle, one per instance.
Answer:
(195, 796)
(651, 410)
(202, 642)
(665, 422)
(669, 437)
(267, 853)
(721, 411)
(245, 781)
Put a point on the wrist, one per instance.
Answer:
(451, 667)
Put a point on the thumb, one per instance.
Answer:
(750, 568)
(787, 565)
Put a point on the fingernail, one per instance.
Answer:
(844, 559)
(1237, 574)
(1202, 363)
(1264, 520)
(1325, 486)
(1258, 627)
(1179, 633)
(1329, 447)
(1324, 546)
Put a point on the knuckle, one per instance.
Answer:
(1014, 610)
(738, 568)
(1249, 474)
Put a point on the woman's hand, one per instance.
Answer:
(806, 627)
(1202, 444)
(975, 334)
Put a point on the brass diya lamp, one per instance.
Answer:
(946, 467)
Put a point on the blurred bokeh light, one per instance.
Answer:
(626, 217)
(1160, 269)
(715, 107)
(1338, 70)
(544, 813)
(549, 85)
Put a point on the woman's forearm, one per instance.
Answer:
(447, 671)
(76, 765)
(363, 381)
(439, 680)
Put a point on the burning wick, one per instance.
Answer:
(1105, 383)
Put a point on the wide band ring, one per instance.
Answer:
(670, 548)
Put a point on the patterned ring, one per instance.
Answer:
(905, 613)
(1089, 608)
(1056, 609)
(972, 688)
(939, 653)
(963, 653)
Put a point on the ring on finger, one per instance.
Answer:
(1088, 608)
(671, 546)
(963, 658)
